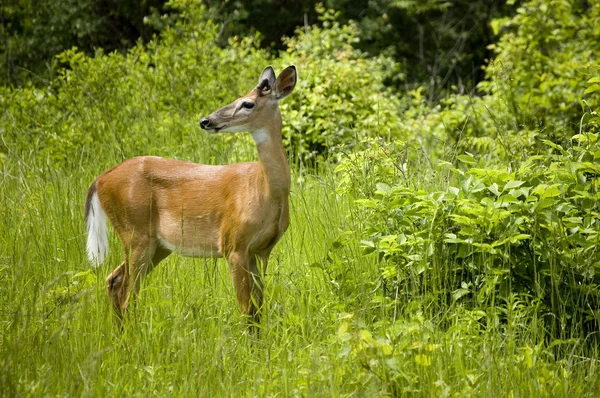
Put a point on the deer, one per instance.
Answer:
(158, 206)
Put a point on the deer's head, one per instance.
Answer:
(254, 110)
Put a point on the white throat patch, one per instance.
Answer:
(261, 136)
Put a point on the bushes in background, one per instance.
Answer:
(154, 95)
(343, 98)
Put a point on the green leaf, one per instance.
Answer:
(544, 203)
(368, 247)
(415, 257)
(458, 293)
(454, 240)
(551, 192)
(511, 239)
(466, 184)
(585, 137)
(462, 219)
(544, 191)
(513, 184)
(401, 239)
(477, 186)
(468, 159)
(507, 199)
(369, 203)
(573, 220)
(553, 145)
(494, 189)
(383, 188)
(453, 190)
(591, 89)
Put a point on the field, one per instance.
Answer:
(184, 336)
(434, 249)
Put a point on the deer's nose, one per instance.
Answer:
(204, 123)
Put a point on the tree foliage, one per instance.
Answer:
(97, 100)
(344, 97)
(441, 44)
(545, 56)
(33, 32)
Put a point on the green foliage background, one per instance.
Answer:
(441, 243)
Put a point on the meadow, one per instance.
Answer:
(434, 249)
(327, 328)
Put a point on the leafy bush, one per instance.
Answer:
(544, 56)
(34, 32)
(544, 75)
(344, 97)
(151, 97)
(482, 125)
(491, 233)
(440, 44)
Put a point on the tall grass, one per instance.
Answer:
(326, 331)
(183, 335)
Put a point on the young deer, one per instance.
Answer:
(159, 206)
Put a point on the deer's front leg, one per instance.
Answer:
(257, 267)
(242, 267)
(238, 266)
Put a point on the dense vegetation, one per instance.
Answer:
(441, 243)
(439, 44)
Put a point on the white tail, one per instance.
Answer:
(97, 240)
(239, 211)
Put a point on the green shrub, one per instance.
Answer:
(543, 76)
(343, 95)
(34, 32)
(115, 104)
(482, 125)
(544, 56)
(490, 233)
(154, 95)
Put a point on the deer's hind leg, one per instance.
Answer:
(257, 268)
(123, 283)
(114, 287)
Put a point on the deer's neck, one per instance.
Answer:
(273, 159)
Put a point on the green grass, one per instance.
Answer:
(325, 330)
(183, 336)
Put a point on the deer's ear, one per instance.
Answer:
(266, 81)
(286, 81)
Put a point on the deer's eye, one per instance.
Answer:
(247, 104)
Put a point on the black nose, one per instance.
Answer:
(204, 123)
